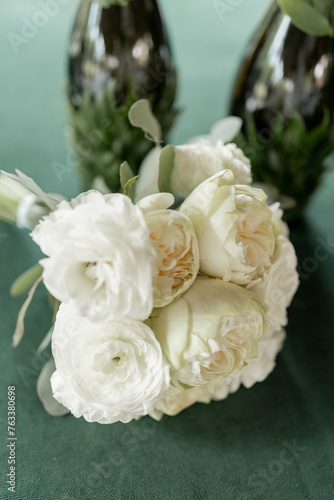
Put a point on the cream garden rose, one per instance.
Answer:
(236, 230)
(279, 284)
(106, 372)
(101, 259)
(196, 162)
(210, 332)
(258, 368)
(176, 245)
(176, 400)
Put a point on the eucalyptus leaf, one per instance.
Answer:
(24, 282)
(99, 184)
(44, 391)
(46, 341)
(125, 173)
(166, 166)
(148, 174)
(19, 330)
(307, 18)
(141, 116)
(55, 310)
(226, 129)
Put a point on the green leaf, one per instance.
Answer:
(24, 282)
(128, 179)
(141, 116)
(126, 174)
(226, 129)
(46, 341)
(129, 188)
(44, 391)
(166, 166)
(148, 174)
(306, 18)
(55, 304)
(324, 6)
(19, 330)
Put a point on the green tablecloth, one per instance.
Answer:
(273, 442)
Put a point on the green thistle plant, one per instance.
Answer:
(292, 159)
(102, 136)
(315, 17)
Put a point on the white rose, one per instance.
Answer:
(236, 230)
(279, 284)
(101, 257)
(210, 332)
(175, 400)
(257, 369)
(194, 163)
(222, 132)
(106, 372)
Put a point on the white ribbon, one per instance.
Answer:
(24, 209)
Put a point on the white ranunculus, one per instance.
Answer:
(210, 332)
(196, 162)
(106, 372)
(101, 257)
(236, 230)
(279, 284)
(257, 369)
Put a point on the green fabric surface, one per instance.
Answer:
(272, 442)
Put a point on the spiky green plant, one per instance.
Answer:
(292, 158)
(102, 136)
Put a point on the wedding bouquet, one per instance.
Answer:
(158, 307)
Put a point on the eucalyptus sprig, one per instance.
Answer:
(314, 17)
